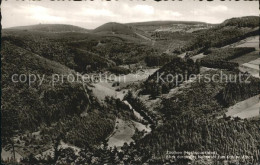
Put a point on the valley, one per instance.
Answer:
(127, 115)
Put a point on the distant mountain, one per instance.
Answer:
(51, 28)
(161, 23)
(172, 26)
(114, 27)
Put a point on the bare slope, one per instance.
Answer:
(51, 28)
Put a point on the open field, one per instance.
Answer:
(139, 75)
(8, 155)
(104, 88)
(182, 55)
(245, 109)
(246, 58)
(142, 127)
(250, 42)
(251, 67)
(194, 58)
(101, 90)
(123, 132)
(198, 56)
(251, 61)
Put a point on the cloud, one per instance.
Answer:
(210, 10)
(219, 8)
(97, 12)
(141, 13)
(145, 9)
(40, 13)
(172, 13)
(93, 14)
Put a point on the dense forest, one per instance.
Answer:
(34, 99)
(231, 137)
(250, 22)
(170, 75)
(154, 60)
(54, 110)
(234, 92)
(95, 53)
(43, 46)
(219, 64)
(225, 136)
(192, 123)
(226, 54)
(219, 58)
(140, 107)
(167, 35)
(119, 50)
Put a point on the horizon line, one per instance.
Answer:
(124, 23)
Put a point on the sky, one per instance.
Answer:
(91, 14)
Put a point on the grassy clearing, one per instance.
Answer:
(199, 56)
(105, 88)
(246, 58)
(123, 132)
(8, 155)
(250, 42)
(251, 67)
(252, 39)
(245, 109)
(253, 72)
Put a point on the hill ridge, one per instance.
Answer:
(114, 27)
(50, 28)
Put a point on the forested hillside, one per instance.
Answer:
(192, 121)
(220, 58)
(41, 97)
(226, 137)
(170, 75)
(55, 110)
(105, 50)
(228, 32)
(118, 49)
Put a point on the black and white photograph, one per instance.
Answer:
(130, 82)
